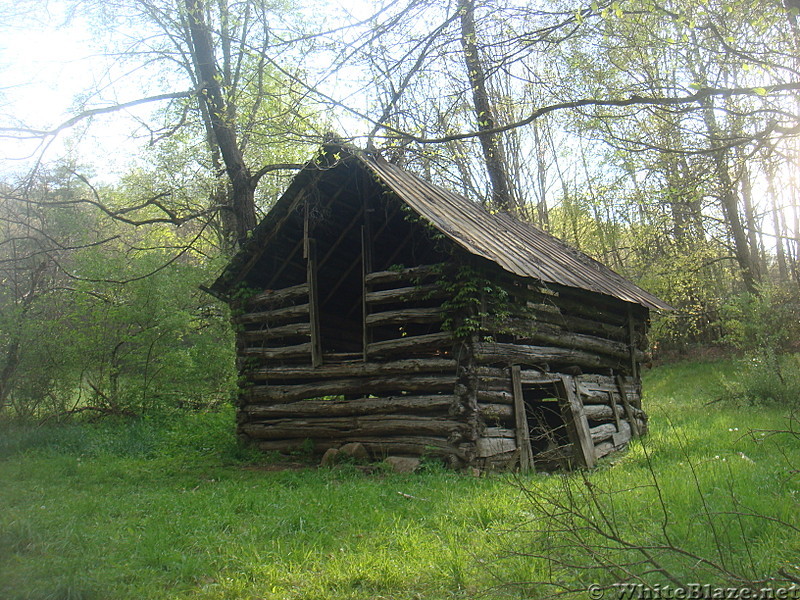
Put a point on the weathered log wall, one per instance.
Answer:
(554, 327)
(274, 325)
(390, 403)
(418, 390)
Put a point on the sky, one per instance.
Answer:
(42, 65)
(47, 60)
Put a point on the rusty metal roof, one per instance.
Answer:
(517, 247)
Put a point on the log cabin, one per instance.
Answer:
(372, 306)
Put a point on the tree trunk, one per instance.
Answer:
(756, 261)
(730, 209)
(221, 115)
(541, 180)
(491, 143)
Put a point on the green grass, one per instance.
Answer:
(175, 509)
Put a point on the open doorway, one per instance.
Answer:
(552, 430)
(550, 444)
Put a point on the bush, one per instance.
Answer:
(766, 378)
(766, 329)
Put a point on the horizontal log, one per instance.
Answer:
(278, 353)
(491, 352)
(486, 447)
(356, 368)
(484, 371)
(534, 377)
(271, 333)
(405, 315)
(406, 274)
(499, 432)
(598, 379)
(608, 430)
(273, 297)
(551, 327)
(548, 318)
(603, 412)
(604, 448)
(415, 343)
(578, 300)
(601, 301)
(578, 341)
(497, 384)
(490, 397)
(604, 383)
(617, 442)
(369, 425)
(378, 447)
(623, 436)
(580, 324)
(583, 304)
(596, 388)
(582, 307)
(598, 397)
(495, 411)
(354, 385)
(360, 406)
(404, 294)
(272, 316)
(342, 357)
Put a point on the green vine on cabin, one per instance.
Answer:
(238, 299)
(243, 292)
(472, 298)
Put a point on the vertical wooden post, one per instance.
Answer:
(306, 226)
(366, 268)
(613, 402)
(313, 304)
(366, 235)
(632, 342)
(521, 422)
(627, 405)
(366, 262)
(576, 422)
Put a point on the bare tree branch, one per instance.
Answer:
(25, 133)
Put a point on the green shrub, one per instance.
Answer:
(766, 329)
(766, 378)
(768, 322)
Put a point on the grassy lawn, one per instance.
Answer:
(175, 509)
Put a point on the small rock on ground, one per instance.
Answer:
(329, 458)
(402, 464)
(355, 450)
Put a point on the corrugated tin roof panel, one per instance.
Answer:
(517, 247)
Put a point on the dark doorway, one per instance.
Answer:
(547, 431)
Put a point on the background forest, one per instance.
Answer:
(659, 137)
(142, 140)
